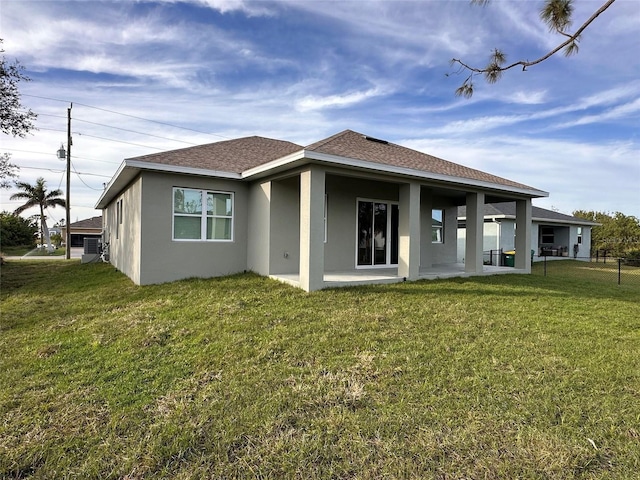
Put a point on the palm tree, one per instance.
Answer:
(37, 195)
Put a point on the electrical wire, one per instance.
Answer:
(64, 170)
(49, 153)
(126, 115)
(139, 133)
(119, 128)
(117, 141)
(83, 182)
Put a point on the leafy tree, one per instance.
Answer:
(16, 231)
(37, 195)
(13, 120)
(557, 14)
(617, 233)
(56, 239)
(7, 170)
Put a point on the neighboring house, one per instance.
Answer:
(347, 209)
(88, 228)
(553, 235)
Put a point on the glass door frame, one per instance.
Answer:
(369, 238)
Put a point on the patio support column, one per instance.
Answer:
(523, 235)
(409, 231)
(474, 241)
(312, 191)
(426, 228)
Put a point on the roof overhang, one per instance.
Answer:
(585, 223)
(305, 156)
(555, 221)
(130, 168)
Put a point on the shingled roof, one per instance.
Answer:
(237, 156)
(355, 145)
(90, 223)
(249, 157)
(234, 156)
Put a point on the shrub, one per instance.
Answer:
(16, 231)
(632, 258)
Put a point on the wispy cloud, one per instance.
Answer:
(615, 113)
(303, 70)
(528, 97)
(225, 6)
(313, 102)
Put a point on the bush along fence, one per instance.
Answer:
(623, 271)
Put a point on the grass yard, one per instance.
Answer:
(510, 376)
(601, 272)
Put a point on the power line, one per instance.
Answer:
(117, 141)
(128, 115)
(103, 138)
(120, 128)
(85, 183)
(49, 153)
(52, 170)
(133, 131)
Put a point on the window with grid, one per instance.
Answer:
(202, 215)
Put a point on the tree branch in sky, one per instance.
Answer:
(557, 15)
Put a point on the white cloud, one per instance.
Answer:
(313, 102)
(528, 97)
(303, 70)
(225, 6)
(576, 174)
(617, 112)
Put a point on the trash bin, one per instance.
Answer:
(509, 258)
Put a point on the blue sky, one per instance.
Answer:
(196, 72)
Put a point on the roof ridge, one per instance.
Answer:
(319, 143)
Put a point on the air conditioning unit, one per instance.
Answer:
(91, 246)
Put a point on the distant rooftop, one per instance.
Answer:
(508, 210)
(93, 222)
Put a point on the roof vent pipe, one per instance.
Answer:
(377, 140)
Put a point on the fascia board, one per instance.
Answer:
(161, 167)
(280, 162)
(108, 193)
(585, 223)
(492, 217)
(130, 168)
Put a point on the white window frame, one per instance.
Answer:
(579, 232)
(203, 215)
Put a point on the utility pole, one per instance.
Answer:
(68, 219)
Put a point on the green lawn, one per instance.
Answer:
(17, 251)
(501, 377)
(32, 251)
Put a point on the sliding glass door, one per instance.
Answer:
(377, 233)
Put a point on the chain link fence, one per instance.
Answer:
(621, 271)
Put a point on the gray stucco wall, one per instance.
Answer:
(124, 238)
(284, 245)
(342, 196)
(259, 222)
(162, 258)
(446, 252)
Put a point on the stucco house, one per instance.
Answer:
(347, 209)
(554, 235)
